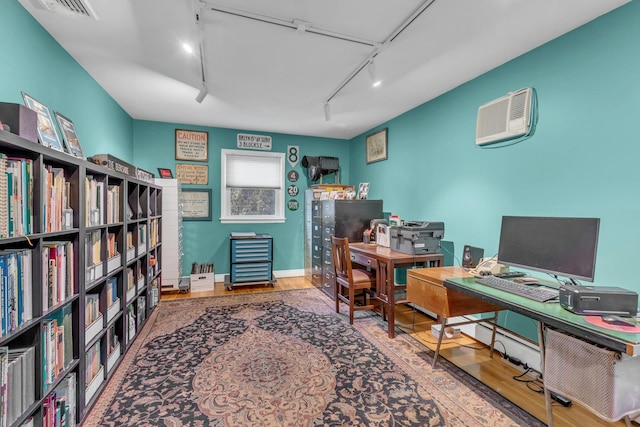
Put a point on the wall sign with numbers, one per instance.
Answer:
(293, 155)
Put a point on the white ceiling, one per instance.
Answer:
(265, 73)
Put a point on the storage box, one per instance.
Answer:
(93, 329)
(113, 310)
(21, 120)
(114, 163)
(143, 175)
(602, 380)
(94, 385)
(202, 282)
(112, 359)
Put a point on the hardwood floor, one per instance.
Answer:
(464, 352)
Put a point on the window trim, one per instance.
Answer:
(279, 216)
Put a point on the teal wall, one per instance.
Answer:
(581, 161)
(208, 241)
(32, 61)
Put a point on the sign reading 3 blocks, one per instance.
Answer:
(254, 142)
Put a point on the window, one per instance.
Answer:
(252, 186)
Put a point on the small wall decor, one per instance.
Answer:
(293, 176)
(292, 190)
(196, 204)
(363, 191)
(376, 145)
(165, 173)
(293, 205)
(293, 155)
(192, 174)
(192, 145)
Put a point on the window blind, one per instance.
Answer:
(253, 172)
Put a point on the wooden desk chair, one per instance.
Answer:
(350, 279)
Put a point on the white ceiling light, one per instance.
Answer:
(187, 47)
(327, 111)
(202, 94)
(375, 81)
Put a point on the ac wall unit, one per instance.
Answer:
(504, 118)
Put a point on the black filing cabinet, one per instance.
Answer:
(342, 218)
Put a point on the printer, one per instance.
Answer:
(416, 237)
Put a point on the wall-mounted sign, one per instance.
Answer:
(196, 204)
(254, 142)
(292, 190)
(293, 155)
(192, 145)
(293, 176)
(293, 205)
(192, 174)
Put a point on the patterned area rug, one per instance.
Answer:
(285, 359)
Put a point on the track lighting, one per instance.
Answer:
(372, 74)
(327, 111)
(202, 94)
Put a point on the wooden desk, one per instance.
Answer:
(425, 288)
(385, 261)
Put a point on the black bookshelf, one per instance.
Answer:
(78, 315)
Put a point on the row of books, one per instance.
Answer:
(59, 407)
(93, 363)
(57, 213)
(91, 308)
(201, 268)
(92, 248)
(95, 208)
(58, 284)
(112, 246)
(17, 383)
(57, 345)
(16, 275)
(154, 232)
(16, 196)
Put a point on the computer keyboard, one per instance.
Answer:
(534, 292)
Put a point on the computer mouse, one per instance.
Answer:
(616, 320)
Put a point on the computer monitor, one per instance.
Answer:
(557, 246)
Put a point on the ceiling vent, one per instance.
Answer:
(67, 7)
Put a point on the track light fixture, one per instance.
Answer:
(202, 94)
(327, 111)
(371, 67)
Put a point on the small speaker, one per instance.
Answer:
(22, 121)
(471, 256)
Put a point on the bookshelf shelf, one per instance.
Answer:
(67, 242)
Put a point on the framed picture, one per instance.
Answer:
(192, 174)
(192, 145)
(363, 191)
(46, 128)
(377, 146)
(68, 129)
(165, 173)
(196, 204)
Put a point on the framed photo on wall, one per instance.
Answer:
(196, 204)
(376, 145)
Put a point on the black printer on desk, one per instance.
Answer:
(417, 237)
